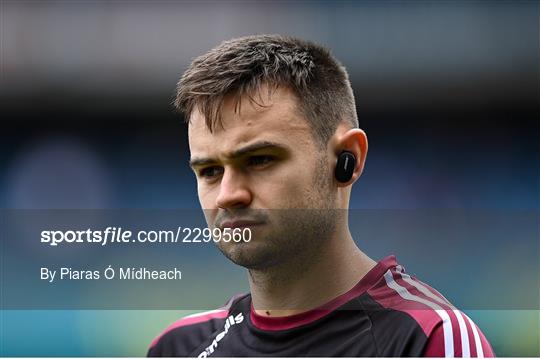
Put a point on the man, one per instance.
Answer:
(275, 147)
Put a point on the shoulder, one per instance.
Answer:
(464, 339)
(187, 333)
(421, 317)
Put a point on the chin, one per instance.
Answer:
(249, 255)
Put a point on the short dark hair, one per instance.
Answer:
(239, 67)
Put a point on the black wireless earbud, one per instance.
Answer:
(345, 166)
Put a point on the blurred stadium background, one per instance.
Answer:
(448, 93)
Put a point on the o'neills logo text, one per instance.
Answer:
(228, 324)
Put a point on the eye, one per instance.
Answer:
(260, 160)
(210, 172)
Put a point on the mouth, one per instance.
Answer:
(241, 223)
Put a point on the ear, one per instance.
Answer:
(355, 141)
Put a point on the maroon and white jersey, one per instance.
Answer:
(387, 313)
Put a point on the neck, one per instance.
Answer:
(311, 280)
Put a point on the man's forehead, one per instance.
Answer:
(263, 102)
(270, 116)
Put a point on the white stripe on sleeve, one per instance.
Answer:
(464, 334)
(447, 324)
(477, 341)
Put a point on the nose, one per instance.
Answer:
(233, 191)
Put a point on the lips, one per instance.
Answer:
(240, 223)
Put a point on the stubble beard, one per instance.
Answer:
(295, 237)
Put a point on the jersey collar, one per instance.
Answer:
(293, 321)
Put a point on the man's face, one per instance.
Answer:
(263, 171)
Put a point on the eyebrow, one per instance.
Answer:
(257, 146)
